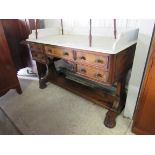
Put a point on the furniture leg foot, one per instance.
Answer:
(110, 119)
(42, 84)
(19, 90)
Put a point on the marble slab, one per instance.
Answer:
(99, 44)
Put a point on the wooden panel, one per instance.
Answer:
(92, 59)
(8, 77)
(123, 62)
(153, 48)
(17, 31)
(65, 53)
(144, 117)
(38, 54)
(92, 73)
(41, 57)
(36, 47)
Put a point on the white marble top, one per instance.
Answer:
(99, 44)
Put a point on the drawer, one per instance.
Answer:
(96, 74)
(39, 56)
(64, 53)
(96, 59)
(36, 47)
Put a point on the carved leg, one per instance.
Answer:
(110, 119)
(19, 90)
(42, 84)
(118, 105)
(42, 69)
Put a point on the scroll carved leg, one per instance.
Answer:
(110, 119)
(118, 105)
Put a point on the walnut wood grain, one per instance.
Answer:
(8, 76)
(104, 69)
(144, 116)
(64, 53)
(92, 59)
(96, 74)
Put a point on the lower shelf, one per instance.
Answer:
(113, 100)
(96, 95)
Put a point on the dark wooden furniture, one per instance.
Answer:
(144, 117)
(102, 75)
(8, 77)
(16, 31)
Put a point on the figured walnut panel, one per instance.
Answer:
(123, 62)
(37, 52)
(96, 74)
(36, 47)
(64, 53)
(92, 58)
(40, 57)
(144, 116)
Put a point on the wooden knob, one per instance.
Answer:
(49, 50)
(66, 53)
(99, 61)
(99, 75)
(83, 70)
(83, 58)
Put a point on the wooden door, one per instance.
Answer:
(144, 118)
(8, 77)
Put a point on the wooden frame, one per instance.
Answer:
(118, 66)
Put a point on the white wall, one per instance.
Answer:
(144, 38)
(100, 27)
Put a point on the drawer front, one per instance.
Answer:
(38, 56)
(64, 53)
(93, 73)
(36, 47)
(96, 59)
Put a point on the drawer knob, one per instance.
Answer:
(98, 75)
(83, 70)
(49, 50)
(66, 53)
(99, 61)
(83, 58)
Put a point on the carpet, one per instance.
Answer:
(55, 111)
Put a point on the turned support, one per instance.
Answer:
(45, 71)
(19, 90)
(42, 69)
